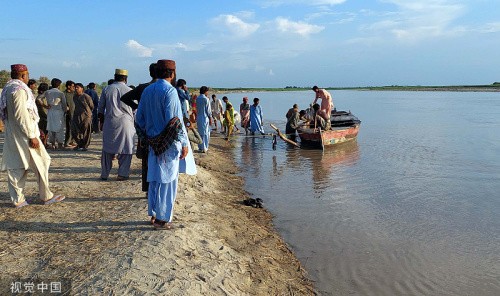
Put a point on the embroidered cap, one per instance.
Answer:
(18, 68)
(165, 64)
(121, 72)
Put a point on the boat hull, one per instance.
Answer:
(323, 139)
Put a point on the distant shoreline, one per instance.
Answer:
(472, 88)
(464, 88)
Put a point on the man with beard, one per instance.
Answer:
(22, 149)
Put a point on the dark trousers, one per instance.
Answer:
(95, 123)
(67, 135)
(144, 169)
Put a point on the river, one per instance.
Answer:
(411, 207)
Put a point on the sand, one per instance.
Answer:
(100, 239)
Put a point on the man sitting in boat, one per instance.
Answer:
(326, 99)
(320, 119)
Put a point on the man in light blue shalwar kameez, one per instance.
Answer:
(158, 105)
(256, 118)
(203, 118)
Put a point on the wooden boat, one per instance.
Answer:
(344, 127)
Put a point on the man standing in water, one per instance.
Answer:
(216, 107)
(256, 118)
(245, 114)
(159, 122)
(22, 150)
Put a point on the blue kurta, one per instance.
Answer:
(203, 120)
(158, 105)
(184, 97)
(256, 119)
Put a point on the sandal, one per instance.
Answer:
(23, 204)
(162, 225)
(121, 178)
(153, 220)
(54, 199)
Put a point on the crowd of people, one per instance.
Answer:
(162, 113)
(316, 117)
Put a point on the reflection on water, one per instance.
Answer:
(325, 164)
(410, 208)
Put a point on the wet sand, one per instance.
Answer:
(100, 239)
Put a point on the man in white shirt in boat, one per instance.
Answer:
(326, 100)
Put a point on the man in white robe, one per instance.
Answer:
(56, 118)
(158, 107)
(22, 150)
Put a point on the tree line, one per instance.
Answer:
(5, 77)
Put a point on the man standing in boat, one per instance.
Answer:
(326, 99)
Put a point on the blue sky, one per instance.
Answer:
(258, 43)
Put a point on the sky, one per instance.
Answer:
(329, 43)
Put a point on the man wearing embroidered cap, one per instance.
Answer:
(159, 123)
(22, 150)
(118, 129)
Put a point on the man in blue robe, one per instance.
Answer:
(203, 118)
(256, 118)
(158, 108)
(182, 91)
(95, 99)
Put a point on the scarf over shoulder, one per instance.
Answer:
(13, 86)
(164, 140)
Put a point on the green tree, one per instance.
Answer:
(4, 77)
(44, 79)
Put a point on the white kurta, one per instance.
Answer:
(20, 126)
(56, 121)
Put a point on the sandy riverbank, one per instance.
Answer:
(100, 239)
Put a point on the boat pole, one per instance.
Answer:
(283, 136)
